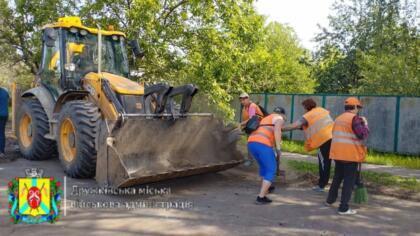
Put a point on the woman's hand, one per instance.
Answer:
(278, 153)
(365, 122)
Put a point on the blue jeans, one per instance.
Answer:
(3, 121)
(266, 159)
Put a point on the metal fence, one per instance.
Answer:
(394, 121)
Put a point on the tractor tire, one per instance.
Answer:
(78, 126)
(32, 127)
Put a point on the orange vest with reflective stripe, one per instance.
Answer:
(264, 134)
(345, 146)
(245, 115)
(319, 128)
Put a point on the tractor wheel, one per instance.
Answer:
(78, 127)
(32, 128)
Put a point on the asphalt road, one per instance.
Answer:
(211, 204)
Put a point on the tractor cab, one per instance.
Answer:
(70, 52)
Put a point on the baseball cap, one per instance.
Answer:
(244, 95)
(353, 101)
(279, 110)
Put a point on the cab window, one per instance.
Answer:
(51, 67)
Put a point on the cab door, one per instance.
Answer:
(51, 64)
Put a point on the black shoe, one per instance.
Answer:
(262, 200)
(271, 189)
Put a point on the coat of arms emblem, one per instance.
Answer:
(34, 199)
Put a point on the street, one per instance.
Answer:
(216, 204)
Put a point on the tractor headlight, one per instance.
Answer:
(83, 32)
(115, 37)
(73, 30)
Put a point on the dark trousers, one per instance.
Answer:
(345, 172)
(324, 163)
(3, 121)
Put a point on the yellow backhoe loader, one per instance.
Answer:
(84, 109)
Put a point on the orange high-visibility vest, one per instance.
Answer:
(345, 146)
(245, 110)
(265, 133)
(319, 128)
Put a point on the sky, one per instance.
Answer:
(302, 15)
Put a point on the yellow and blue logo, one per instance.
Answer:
(34, 199)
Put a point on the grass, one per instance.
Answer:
(374, 157)
(381, 179)
(296, 147)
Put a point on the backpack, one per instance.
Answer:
(264, 111)
(253, 124)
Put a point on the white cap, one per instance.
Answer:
(244, 95)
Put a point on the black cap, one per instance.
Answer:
(279, 110)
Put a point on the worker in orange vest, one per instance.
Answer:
(260, 145)
(348, 151)
(249, 109)
(317, 125)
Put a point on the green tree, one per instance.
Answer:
(20, 25)
(279, 64)
(377, 43)
(18, 73)
(220, 45)
(332, 70)
(391, 65)
(200, 42)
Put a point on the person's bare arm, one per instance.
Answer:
(243, 123)
(293, 126)
(277, 132)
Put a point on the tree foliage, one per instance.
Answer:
(371, 46)
(223, 46)
(279, 64)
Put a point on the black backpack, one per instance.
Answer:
(253, 124)
(264, 111)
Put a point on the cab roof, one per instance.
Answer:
(74, 21)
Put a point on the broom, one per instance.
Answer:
(360, 194)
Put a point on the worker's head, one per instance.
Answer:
(309, 104)
(244, 98)
(280, 110)
(352, 104)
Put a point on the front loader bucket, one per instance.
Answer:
(149, 150)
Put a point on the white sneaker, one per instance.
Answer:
(348, 212)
